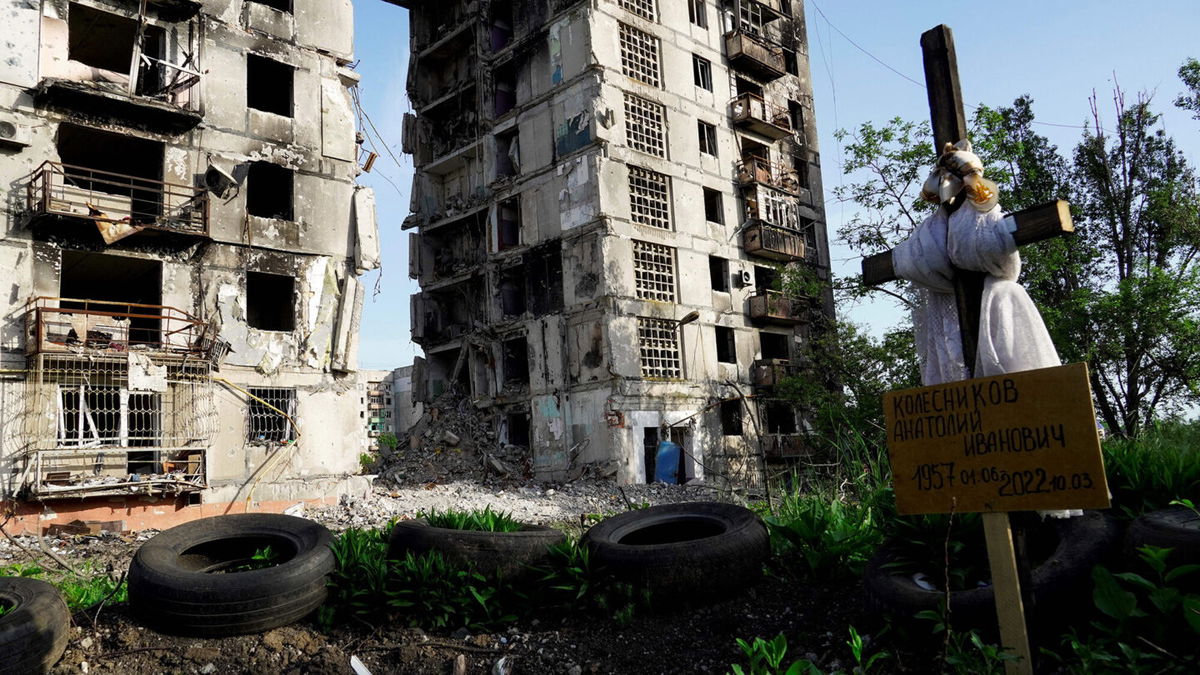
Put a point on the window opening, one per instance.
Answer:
(697, 13)
(508, 154)
(508, 224)
(269, 85)
(753, 19)
(264, 424)
(104, 415)
(718, 272)
(518, 429)
(96, 276)
(777, 209)
(649, 198)
(504, 81)
(702, 72)
(796, 117)
(100, 39)
(515, 361)
(644, 125)
(98, 154)
(501, 29)
(726, 345)
(731, 418)
(639, 54)
(658, 342)
(713, 211)
(281, 5)
(270, 301)
(269, 191)
(781, 418)
(745, 86)
(654, 271)
(650, 451)
(765, 277)
(773, 345)
(708, 138)
(545, 276)
(642, 8)
(512, 291)
(790, 64)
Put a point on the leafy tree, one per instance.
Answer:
(1189, 72)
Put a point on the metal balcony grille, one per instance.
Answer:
(658, 343)
(645, 125)
(639, 55)
(649, 198)
(642, 8)
(654, 271)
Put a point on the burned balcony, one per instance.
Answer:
(118, 205)
(754, 56)
(750, 111)
(98, 328)
(773, 243)
(783, 446)
(137, 73)
(776, 307)
(769, 373)
(752, 169)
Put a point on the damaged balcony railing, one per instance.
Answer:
(754, 169)
(777, 307)
(779, 446)
(66, 325)
(753, 112)
(64, 190)
(754, 55)
(115, 471)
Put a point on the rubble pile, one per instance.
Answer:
(452, 440)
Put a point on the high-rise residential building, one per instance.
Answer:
(181, 242)
(606, 194)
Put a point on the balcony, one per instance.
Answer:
(119, 205)
(773, 243)
(753, 169)
(752, 112)
(769, 373)
(782, 446)
(754, 55)
(775, 307)
(101, 327)
(115, 471)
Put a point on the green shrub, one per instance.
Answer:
(1161, 464)
(82, 589)
(486, 520)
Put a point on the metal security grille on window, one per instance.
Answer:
(659, 345)
(267, 425)
(639, 55)
(649, 198)
(654, 271)
(96, 416)
(642, 8)
(644, 125)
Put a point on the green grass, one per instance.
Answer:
(80, 591)
(486, 520)
(1149, 471)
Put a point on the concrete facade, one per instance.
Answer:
(387, 403)
(605, 195)
(183, 235)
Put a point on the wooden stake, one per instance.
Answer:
(1010, 610)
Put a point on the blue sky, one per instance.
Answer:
(1058, 52)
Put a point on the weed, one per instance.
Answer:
(766, 658)
(262, 558)
(486, 520)
(820, 536)
(365, 461)
(1160, 465)
(4, 608)
(865, 663)
(81, 590)
(359, 577)
(427, 590)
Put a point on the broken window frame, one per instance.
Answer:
(731, 417)
(753, 19)
(267, 426)
(258, 68)
(698, 13)
(726, 344)
(718, 273)
(707, 137)
(660, 356)
(83, 431)
(642, 8)
(639, 55)
(653, 271)
(702, 72)
(649, 198)
(714, 206)
(645, 125)
(280, 324)
(257, 205)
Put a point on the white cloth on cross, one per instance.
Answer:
(1012, 336)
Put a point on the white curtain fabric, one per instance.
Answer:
(1012, 335)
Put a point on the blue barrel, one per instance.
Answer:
(666, 463)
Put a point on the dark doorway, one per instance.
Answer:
(114, 164)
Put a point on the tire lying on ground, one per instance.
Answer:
(186, 580)
(34, 626)
(506, 554)
(1065, 574)
(1175, 527)
(681, 552)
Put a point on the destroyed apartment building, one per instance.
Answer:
(605, 198)
(182, 240)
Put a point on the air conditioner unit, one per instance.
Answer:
(13, 134)
(747, 279)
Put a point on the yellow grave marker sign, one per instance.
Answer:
(1017, 442)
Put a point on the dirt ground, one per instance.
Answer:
(697, 640)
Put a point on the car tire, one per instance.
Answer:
(1175, 527)
(175, 584)
(35, 628)
(682, 553)
(509, 555)
(1065, 576)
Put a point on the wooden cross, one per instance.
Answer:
(1048, 220)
